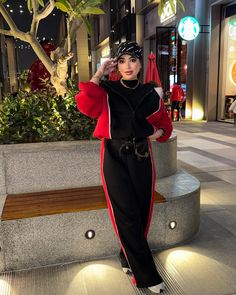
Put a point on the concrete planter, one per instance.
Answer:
(58, 165)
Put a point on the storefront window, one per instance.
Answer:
(171, 60)
(227, 77)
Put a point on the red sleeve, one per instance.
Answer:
(90, 99)
(161, 120)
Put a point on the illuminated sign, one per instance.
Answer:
(232, 29)
(167, 12)
(188, 28)
(233, 73)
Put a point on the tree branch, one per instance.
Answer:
(68, 23)
(39, 51)
(48, 8)
(8, 19)
(6, 32)
(39, 15)
(35, 6)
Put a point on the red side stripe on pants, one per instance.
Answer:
(109, 205)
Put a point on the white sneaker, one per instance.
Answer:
(157, 288)
(126, 270)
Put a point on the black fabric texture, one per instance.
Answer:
(130, 195)
(129, 108)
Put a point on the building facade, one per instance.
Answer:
(222, 60)
(205, 67)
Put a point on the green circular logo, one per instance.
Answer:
(188, 28)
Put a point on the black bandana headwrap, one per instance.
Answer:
(129, 47)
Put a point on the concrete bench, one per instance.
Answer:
(59, 238)
(48, 179)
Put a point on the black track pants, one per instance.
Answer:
(128, 184)
(175, 106)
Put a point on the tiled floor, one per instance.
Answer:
(204, 266)
(207, 265)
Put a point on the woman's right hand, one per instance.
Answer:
(105, 69)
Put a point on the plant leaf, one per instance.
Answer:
(66, 4)
(172, 5)
(92, 10)
(91, 3)
(181, 5)
(41, 3)
(61, 7)
(29, 4)
(161, 6)
(87, 24)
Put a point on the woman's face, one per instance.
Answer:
(128, 67)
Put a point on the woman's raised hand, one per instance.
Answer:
(107, 67)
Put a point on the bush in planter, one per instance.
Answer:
(43, 116)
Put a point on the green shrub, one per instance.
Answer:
(43, 116)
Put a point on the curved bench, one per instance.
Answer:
(59, 236)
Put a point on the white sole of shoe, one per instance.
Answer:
(157, 289)
(126, 270)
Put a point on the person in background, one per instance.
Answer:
(130, 114)
(176, 98)
(232, 108)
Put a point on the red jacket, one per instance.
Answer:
(177, 93)
(93, 101)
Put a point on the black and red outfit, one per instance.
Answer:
(126, 118)
(176, 98)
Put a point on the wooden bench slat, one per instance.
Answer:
(60, 198)
(29, 205)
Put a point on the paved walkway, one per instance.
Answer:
(204, 266)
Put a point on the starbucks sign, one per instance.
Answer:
(188, 28)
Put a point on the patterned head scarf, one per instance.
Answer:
(129, 47)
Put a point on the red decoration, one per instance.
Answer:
(152, 72)
(38, 73)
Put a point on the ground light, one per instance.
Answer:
(197, 114)
(90, 234)
(5, 287)
(97, 274)
(172, 224)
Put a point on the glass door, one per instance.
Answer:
(171, 52)
(227, 71)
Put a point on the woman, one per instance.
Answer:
(129, 115)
